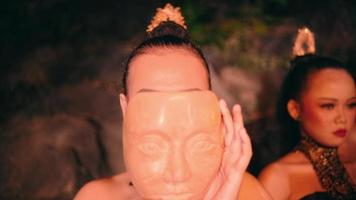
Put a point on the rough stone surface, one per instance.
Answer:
(50, 157)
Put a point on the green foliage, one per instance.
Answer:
(236, 31)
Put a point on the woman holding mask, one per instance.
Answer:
(180, 142)
(317, 101)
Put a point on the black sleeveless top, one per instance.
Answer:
(324, 196)
(318, 196)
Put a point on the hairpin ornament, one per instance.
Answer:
(304, 42)
(168, 13)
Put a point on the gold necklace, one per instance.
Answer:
(331, 173)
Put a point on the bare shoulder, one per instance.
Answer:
(116, 187)
(251, 188)
(273, 172)
(280, 169)
(275, 177)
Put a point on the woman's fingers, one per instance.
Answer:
(238, 150)
(228, 123)
(241, 138)
(236, 156)
(237, 117)
(246, 149)
(238, 125)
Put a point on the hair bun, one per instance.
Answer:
(167, 21)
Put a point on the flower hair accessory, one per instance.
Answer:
(304, 43)
(168, 13)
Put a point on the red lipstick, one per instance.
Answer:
(340, 132)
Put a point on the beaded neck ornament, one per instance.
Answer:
(331, 173)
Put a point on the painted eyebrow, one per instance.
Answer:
(153, 90)
(333, 99)
(327, 98)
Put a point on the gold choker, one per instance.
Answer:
(331, 173)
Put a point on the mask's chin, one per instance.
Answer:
(183, 196)
(195, 194)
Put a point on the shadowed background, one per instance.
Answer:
(61, 64)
